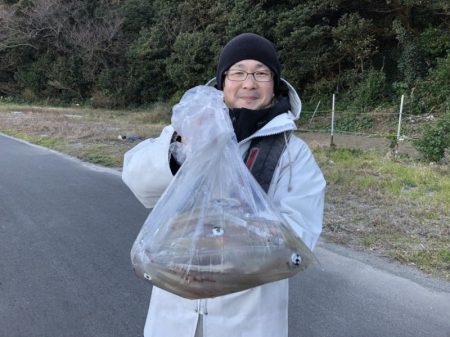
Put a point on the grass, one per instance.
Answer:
(374, 171)
(397, 208)
(101, 154)
(48, 142)
(88, 134)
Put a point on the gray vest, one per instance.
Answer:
(263, 156)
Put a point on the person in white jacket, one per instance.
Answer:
(248, 73)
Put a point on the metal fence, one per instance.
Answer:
(388, 123)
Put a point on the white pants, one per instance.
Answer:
(199, 329)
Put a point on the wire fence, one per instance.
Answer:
(388, 124)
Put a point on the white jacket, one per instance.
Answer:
(297, 190)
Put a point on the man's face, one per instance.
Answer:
(249, 93)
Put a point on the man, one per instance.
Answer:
(248, 73)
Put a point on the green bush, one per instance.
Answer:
(369, 92)
(147, 79)
(437, 86)
(193, 59)
(34, 75)
(103, 101)
(353, 123)
(435, 42)
(435, 139)
(410, 63)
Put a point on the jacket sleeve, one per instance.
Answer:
(298, 191)
(146, 170)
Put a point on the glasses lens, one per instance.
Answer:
(237, 75)
(262, 76)
(259, 76)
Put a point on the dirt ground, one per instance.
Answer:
(315, 139)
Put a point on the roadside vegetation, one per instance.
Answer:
(394, 206)
(93, 135)
(398, 208)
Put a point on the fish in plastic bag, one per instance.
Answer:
(213, 231)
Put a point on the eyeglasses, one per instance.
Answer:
(240, 75)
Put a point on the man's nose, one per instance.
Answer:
(250, 80)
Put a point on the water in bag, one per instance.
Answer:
(214, 231)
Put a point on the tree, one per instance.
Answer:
(193, 59)
(70, 43)
(354, 37)
(141, 51)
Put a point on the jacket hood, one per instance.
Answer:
(294, 99)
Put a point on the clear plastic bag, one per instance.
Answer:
(213, 231)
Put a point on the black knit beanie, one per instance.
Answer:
(248, 46)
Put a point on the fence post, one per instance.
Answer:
(314, 113)
(399, 123)
(332, 122)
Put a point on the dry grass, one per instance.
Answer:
(91, 135)
(395, 208)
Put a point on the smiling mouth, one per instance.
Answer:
(249, 98)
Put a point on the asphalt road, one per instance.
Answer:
(66, 229)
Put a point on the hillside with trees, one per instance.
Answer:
(116, 53)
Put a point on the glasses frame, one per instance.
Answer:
(246, 76)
